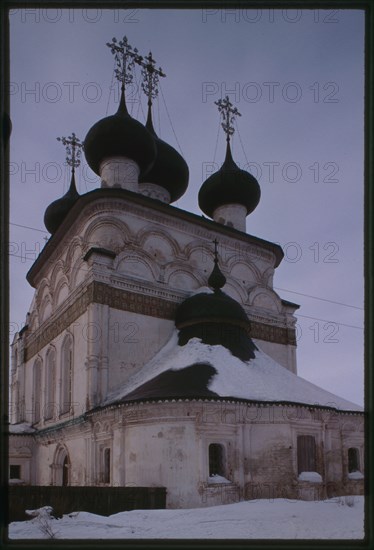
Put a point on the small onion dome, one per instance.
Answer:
(170, 170)
(57, 210)
(230, 185)
(119, 135)
(215, 318)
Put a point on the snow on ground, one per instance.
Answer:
(338, 518)
(259, 379)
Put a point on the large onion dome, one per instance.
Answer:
(230, 185)
(119, 135)
(215, 318)
(57, 211)
(170, 170)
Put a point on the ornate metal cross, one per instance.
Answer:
(228, 113)
(73, 147)
(125, 57)
(150, 77)
(215, 250)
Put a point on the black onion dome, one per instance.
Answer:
(119, 135)
(230, 185)
(215, 306)
(170, 170)
(58, 210)
(216, 319)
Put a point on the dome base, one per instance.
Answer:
(232, 215)
(120, 172)
(155, 192)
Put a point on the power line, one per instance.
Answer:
(275, 288)
(317, 298)
(27, 227)
(171, 124)
(329, 321)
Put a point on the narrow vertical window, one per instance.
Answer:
(216, 460)
(66, 375)
(65, 472)
(50, 386)
(353, 460)
(106, 477)
(306, 453)
(37, 388)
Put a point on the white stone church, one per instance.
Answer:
(155, 351)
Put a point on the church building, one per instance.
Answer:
(156, 352)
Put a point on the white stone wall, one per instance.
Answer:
(133, 340)
(21, 452)
(119, 172)
(233, 215)
(167, 444)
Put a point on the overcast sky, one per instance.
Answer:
(297, 77)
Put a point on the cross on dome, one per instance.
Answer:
(150, 77)
(73, 147)
(228, 113)
(125, 57)
(216, 279)
(215, 242)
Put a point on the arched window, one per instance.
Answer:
(50, 386)
(106, 457)
(66, 375)
(217, 460)
(37, 390)
(353, 460)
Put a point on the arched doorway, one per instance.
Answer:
(61, 467)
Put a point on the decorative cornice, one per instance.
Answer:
(128, 300)
(141, 410)
(53, 327)
(157, 211)
(99, 250)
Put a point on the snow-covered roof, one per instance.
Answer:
(222, 375)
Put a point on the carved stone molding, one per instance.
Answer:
(126, 300)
